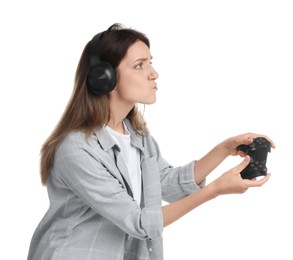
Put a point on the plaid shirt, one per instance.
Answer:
(92, 213)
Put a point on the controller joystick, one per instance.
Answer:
(258, 152)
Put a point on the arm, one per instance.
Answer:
(229, 183)
(95, 184)
(204, 166)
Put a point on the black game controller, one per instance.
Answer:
(258, 152)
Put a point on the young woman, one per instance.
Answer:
(104, 172)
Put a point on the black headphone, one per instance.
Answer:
(101, 77)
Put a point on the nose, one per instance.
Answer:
(153, 74)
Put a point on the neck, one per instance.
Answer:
(116, 126)
(119, 111)
(118, 114)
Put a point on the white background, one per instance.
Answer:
(225, 69)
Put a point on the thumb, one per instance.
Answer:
(243, 164)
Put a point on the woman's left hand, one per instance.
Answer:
(231, 144)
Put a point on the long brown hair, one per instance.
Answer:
(84, 111)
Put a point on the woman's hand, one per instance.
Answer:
(231, 181)
(205, 165)
(230, 145)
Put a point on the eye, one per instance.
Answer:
(139, 65)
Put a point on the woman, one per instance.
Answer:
(104, 172)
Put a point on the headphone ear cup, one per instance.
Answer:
(101, 79)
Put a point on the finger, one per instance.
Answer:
(257, 182)
(266, 137)
(243, 164)
(269, 139)
(241, 153)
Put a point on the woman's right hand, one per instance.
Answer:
(231, 181)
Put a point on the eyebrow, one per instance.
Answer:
(142, 59)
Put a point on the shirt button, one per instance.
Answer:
(150, 250)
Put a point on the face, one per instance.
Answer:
(136, 76)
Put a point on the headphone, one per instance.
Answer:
(101, 77)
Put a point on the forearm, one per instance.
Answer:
(204, 166)
(178, 209)
(229, 182)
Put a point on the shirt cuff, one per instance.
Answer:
(187, 180)
(152, 221)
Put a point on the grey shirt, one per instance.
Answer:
(92, 213)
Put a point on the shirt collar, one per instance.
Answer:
(107, 142)
(136, 138)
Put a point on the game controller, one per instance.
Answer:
(258, 152)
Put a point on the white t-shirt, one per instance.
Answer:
(131, 158)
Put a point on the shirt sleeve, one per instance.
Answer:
(90, 180)
(176, 182)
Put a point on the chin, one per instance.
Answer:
(151, 100)
(147, 100)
